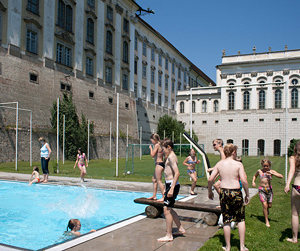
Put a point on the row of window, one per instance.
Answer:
(276, 79)
(262, 99)
(245, 120)
(159, 59)
(204, 106)
(260, 146)
(246, 101)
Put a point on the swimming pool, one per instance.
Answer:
(36, 216)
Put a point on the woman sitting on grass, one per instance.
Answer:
(295, 195)
(265, 187)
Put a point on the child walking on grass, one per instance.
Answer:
(265, 186)
(191, 162)
(36, 175)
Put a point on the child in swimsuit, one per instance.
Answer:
(191, 162)
(36, 175)
(265, 187)
(82, 167)
(158, 155)
(74, 225)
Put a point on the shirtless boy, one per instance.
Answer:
(218, 146)
(172, 189)
(231, 198)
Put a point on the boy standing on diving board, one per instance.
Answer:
(172, 189)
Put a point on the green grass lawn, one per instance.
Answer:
(258, 236)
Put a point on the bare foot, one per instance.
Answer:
(160, 200)
(244, 249)
(268, 224)
(153, 197)
(179, 232)
(224, 248)
(193, 193)
(291, 240)
(45, 181)
(165, 239)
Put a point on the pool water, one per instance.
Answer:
(36, 216)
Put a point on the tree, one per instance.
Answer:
(169, 125)
(76, 134)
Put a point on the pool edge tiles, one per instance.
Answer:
(89, 236)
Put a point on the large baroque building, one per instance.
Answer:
(255, 104)
(92, 49)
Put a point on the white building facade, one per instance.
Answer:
(255, 104)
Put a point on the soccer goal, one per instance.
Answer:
(140, 162)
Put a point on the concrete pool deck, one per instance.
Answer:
(137, 233)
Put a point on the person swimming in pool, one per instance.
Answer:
(75, 225)
(36, 175)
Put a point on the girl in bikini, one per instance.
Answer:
(158, 155)
(191, 162)
(36, 175)
(295, 195)
(82, 167)
(265, 187)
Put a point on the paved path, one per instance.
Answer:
(143, 232)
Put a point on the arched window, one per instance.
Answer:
(216, 106)
(277, 147)
(33, 6)
(262, 99)
(90, 31)
(181, 107)
(193, 106)
(245, 147)
(261, 146)
(277, 99)
(231, 101)
(246, 100)
(61, 13)
(109, 40)
(229, 141)
(294, 98)
(125, 52)
(204, 106)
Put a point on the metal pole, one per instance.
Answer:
(191, 116)
(64, 139)
(180, 144)
(173, 136)
(109, 141)
(164, 134)
(88, 148)
(140, 143)
(127, 145)
(30, 138)
(17, 125)
(57, 139)
(117, 143)
(286, 130)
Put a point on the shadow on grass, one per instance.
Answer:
(233, 241)
(262, 218)
(286, 233)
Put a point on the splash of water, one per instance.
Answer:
(85, 205)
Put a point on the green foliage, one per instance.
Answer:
(76, 133)
(291, 147)
(170, 125)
